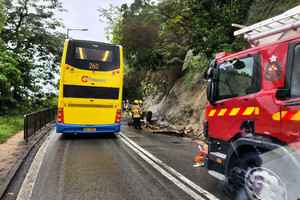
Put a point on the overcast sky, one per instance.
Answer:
(84, 14)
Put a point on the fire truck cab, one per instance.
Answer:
(254, 97)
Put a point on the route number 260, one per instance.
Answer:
(94, 66)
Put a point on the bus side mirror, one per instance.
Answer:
(282, 94)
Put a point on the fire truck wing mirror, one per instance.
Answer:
(210, 92)
(210, 72)
(282, 94)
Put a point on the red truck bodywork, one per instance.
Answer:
(252, 119)
(239, 128)
(275, 118)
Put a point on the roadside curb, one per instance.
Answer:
(13, 171)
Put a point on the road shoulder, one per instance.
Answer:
(14, 154)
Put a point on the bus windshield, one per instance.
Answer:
(93, 56)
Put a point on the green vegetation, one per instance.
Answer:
(263, 9)
(9, 125)
(195, 66)
(30, 48)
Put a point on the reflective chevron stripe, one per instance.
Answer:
(296, 117)
(212, 112)
(222, 112)
(286, 115)
(232, 112)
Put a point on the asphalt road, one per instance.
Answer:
(133, 166)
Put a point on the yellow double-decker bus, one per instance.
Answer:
(90, 89)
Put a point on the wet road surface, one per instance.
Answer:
(111, 168)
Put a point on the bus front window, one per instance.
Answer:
(99, 55)
(88, 56)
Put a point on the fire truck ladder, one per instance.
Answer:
(282, 23)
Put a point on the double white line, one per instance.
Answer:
(189, 187)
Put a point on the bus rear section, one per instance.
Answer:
(90, 90)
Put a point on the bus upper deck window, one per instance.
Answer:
(100, 55)
(94, 56)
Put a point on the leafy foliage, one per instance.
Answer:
(212, 24)
(154, 34)
(30, 48)
(194, 65)
(263, 9)
(10, 79)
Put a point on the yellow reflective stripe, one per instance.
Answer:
(276, 116)
(257, 111)
(279, 115)
(234, 111)
(222, 112)
(296, 117)
(249, 111)
(212, 113)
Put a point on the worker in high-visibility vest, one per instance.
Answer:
(136, 115)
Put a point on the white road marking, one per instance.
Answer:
(178, 179)
(26, 190)
(182, 186)
(142, 152)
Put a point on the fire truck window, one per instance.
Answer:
(295, 86)
(235, 82)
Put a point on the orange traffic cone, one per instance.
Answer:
(199, 159)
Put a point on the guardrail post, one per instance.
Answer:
(25, 128)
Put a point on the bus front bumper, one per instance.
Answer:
(74, 128)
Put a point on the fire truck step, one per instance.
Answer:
(217, 175)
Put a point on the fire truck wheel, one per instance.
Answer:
(239, 167)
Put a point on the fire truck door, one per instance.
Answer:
(290, 112)
(235, 94)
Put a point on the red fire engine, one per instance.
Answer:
(254, 98)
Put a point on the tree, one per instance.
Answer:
(212, 24)
(153, 34)
(31, 36)
(176, 28)
(10, 76)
